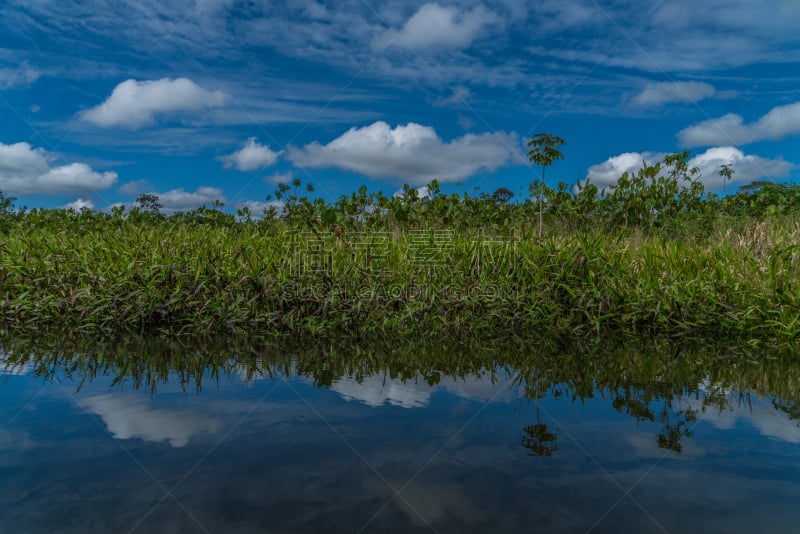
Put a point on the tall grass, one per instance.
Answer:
(91, 272)
(656, 254)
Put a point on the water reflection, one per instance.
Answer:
(669, 385)
(128, 416)
(301, 436)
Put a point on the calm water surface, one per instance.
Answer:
(343, 443)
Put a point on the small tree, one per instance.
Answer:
(544, 151)
(502, 195)
(150, 203)
(6, 204)
(726, 173)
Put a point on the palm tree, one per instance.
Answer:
(544, 151)
(726, 173)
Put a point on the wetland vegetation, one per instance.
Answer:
(656, 254)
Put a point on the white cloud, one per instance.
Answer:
(79, 204)
(134, 104)
(422, 192)
(25, 170)
(22, 76)
(746, 167)
(280, 178)
(257, 208)
(459, 96)
(658, 94)
(413, 152)
(730, 129)
(181, 200)
(607, 173)
(129, 417)
(134, 187)
(251, 156)
(435, 26)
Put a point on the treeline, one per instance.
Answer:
(664, 196)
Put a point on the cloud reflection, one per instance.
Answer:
(129, 417)
(379, 389)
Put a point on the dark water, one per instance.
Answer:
(334, 439)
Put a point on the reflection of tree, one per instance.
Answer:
(630, 401)
(538, 440)
(670, 436)
(636, 401)
(791, 409)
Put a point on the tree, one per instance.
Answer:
(502, 195)
(150, 203)
(6, 204)
(539, 440)
(544, 151)
(726, 173)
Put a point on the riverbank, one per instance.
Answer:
(739, 278)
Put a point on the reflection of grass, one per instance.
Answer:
(644, 380)
(179, 278)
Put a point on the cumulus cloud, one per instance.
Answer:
(436, 26)
(413, 152)
(746, 167)
(79, 204)
(25, 170)
(658, 94)
(730, 129)
(134, 187)
(251, 156)
(21, 76)
(181, 200)
(134, 104)
(607, 173)
(258, 208)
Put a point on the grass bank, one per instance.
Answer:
(92, 272)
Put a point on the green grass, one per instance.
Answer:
(94, 273)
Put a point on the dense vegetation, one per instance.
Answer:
(654, 254)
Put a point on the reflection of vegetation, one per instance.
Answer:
(653, 383)
(670, 436)
(539, 441)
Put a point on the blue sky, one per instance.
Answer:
(196, 100)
